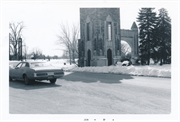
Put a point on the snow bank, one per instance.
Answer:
(152, 70)
(62, 63)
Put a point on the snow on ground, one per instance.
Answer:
(62, 63)
(151, 70)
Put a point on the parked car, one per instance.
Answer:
(126, 63)
(29, 71)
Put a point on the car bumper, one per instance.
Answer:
(49, 77)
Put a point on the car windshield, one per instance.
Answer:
(13, 63)
(40, 64)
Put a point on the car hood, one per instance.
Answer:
(49, 68)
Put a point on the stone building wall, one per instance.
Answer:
(98, 43)
(131, 37)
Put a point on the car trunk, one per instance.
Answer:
(47, 69)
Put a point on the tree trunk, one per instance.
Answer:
(161, 61)
(141, 61)
(148, 39)
(73, 56)
(70, 56)
(161, 57)
(148, 60)
(15, 53)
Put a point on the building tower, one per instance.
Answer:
(100, 39)
(135, 54)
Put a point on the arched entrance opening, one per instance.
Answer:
(125, 50)
(109, 57)
(89, 58)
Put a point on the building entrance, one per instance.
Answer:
(89, 58)
(109, 57)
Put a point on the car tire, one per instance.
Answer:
(53, 80)
(27, 80)
(10, 79)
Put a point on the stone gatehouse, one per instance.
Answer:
(100, 37)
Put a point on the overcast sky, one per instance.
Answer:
(42, 19)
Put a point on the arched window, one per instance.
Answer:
(109, 31)
(109, 27)
(88, 31)
(88, 28)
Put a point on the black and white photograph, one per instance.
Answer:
(89, 61)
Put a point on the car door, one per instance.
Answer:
(16, 71)
(13, 72)
(20, 71)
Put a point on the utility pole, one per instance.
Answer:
(25, 51)
(20, 48)
(9, 49)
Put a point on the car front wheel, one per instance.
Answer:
(27, 80)
(53, 80)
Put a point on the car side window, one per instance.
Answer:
(19, 65)
(27, 65)
(23, 65)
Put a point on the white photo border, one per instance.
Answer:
(4, 64)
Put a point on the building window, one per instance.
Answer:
(109, 31)
(115, 28)
(88, 31)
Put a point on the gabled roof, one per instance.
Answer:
(134, 26)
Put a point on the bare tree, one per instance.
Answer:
(125, 49)
(74, 49)
(11, 49)
(36, 52)
(25, 50)
(14, 35)
(68, 37)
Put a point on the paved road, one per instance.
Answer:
(89, 93)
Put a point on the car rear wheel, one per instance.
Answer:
(27, 80)
(53, 80)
